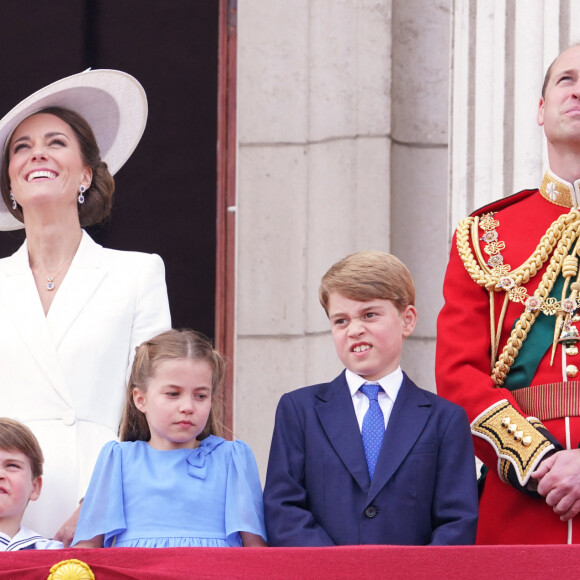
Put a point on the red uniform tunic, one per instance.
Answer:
(532, 411)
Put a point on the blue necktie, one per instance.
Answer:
(373, 426)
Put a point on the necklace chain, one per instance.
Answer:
(41, 272)
(50, 280)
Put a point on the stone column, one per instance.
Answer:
(313, 185)
(419, 166)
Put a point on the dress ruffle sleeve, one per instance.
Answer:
(244, 506)
(102, 509)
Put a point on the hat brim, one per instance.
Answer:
(112, 102)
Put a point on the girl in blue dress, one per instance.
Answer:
(172, 482)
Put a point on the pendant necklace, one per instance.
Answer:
(50, 284)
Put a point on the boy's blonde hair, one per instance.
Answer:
(172, 345)
(18, 437)
(369, 275)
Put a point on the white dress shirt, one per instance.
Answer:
(390, 385)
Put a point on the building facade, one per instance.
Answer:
(370, 124)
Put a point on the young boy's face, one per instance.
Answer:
(369, 336)
(17, 486)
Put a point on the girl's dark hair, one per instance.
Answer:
(172, 345)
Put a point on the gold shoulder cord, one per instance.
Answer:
(497, 276)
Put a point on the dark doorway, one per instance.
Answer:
(166, 193)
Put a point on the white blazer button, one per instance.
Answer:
(69, 418)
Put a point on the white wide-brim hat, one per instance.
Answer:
(112, 102)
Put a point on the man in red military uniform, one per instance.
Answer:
(507, 337)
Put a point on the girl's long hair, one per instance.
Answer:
(172, 345)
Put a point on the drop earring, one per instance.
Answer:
(14, 204)
(81, 197)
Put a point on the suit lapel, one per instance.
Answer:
(84, 276)
(337, 417)
(22, 305)
(410, 413)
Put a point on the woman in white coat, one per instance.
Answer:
(71, 312)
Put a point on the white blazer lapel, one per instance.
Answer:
(84, 276)
(21, 304)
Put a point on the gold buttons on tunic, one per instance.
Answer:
(572, 350)
(571, 370)
(518, 434)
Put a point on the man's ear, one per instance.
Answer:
(540, 117)
(36, 487)
(139, 399)
(409, 320)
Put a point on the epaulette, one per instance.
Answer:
(504, 202)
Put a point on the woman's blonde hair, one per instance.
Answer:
(172, 345)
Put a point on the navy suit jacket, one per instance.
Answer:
(318, 491)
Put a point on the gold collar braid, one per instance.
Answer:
(556, 242)
(560, 192)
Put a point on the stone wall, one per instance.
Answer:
(342, 130)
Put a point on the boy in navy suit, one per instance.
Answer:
(370, 458)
